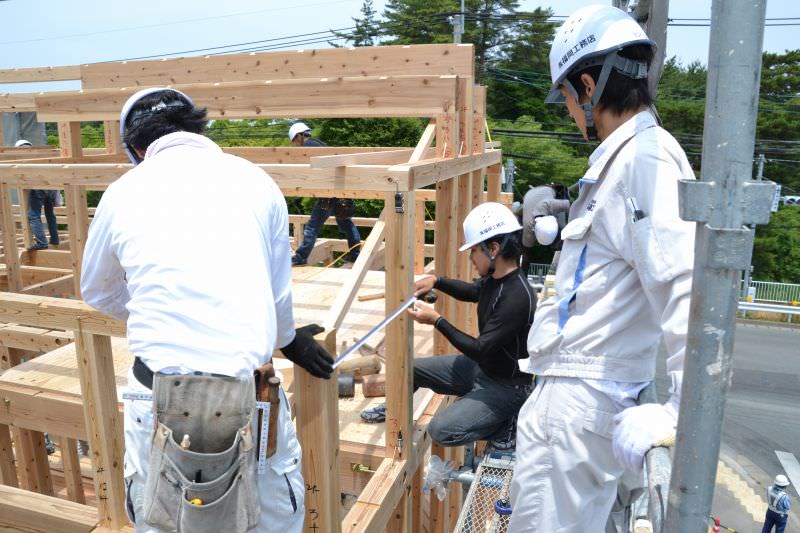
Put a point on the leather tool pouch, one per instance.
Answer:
(217, 470)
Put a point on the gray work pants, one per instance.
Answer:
(485, 406)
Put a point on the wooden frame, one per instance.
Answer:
(433, 81)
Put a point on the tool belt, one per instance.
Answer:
(202, 457)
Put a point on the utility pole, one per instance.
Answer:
(458, 25)
(653, 16)
(722, 202)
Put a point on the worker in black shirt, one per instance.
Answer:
(487, 378)
(342, 208)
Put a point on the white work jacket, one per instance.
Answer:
(625, 272)
(191, 247)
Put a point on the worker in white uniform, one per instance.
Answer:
(191, 249)
(623, 281)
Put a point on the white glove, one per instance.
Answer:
(546, 229)
(637, 429)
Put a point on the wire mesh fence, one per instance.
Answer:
(486, 508)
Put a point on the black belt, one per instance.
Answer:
(142, 373)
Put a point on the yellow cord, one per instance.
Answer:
(488, 133)
(337, 259)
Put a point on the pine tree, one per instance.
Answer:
(367, 28)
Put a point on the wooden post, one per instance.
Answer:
(317, 403)
(400, 343)
(77, 219)
(419, 237)
(112, 137)
(493, 184)
(8, 469)
(103, 425)
(416, 495)
(72, 470)
(439, 510)
(8, 229)
(27, 234)
(69, 139)
(32, 457)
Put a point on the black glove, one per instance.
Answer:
(307, 352)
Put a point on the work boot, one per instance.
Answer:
(296, 261)
(374, 414)
(506, 439)
(49, 445)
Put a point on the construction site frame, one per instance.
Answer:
(41, 309)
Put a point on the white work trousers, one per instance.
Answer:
(280, 487)
(566, 475)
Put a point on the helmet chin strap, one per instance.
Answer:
(628, 67)
(488, 252)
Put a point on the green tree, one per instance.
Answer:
(367, 28)
(776, 251)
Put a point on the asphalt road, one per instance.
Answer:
(762, 412)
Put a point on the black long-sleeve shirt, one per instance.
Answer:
(505, 314)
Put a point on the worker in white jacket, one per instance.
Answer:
(191, 248)
(623, 281)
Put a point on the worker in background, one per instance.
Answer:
(486, 378)
(22, 125)
(205, 288)
(778, 505)
(342, 208)
(39, 199)
(623, 281)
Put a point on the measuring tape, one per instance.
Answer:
(262, 442)
(394, 314)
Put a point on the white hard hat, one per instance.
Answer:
(546, 229)
(22, 142)
(123, 116)
(487, 220)
(297, 128)
(592, 32)
(782, 481)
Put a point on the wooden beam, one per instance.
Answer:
(428, 59)
(57, 313)
(428, 172)
(298, 154)
(385, 157)
(103, 424)
(9, 232)
(36, 274)
(375, 504)
(34, 339)
(424, 142)
(21, 510)
(60, 287)
(344, 298)
(17, 102)
(407, 96)
(37, 74)
(59, 414)
(317, 402)
(48, 258)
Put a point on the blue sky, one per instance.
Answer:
(84, 31)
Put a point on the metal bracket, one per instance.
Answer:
(728, 249)
(697, 202)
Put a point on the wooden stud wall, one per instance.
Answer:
(433, 81)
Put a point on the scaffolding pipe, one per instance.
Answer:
(722, 202)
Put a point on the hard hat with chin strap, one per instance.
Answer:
(488, 220)
(592, 36)
(126, 109)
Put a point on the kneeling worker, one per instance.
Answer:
(199, 324)
(487, 379)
